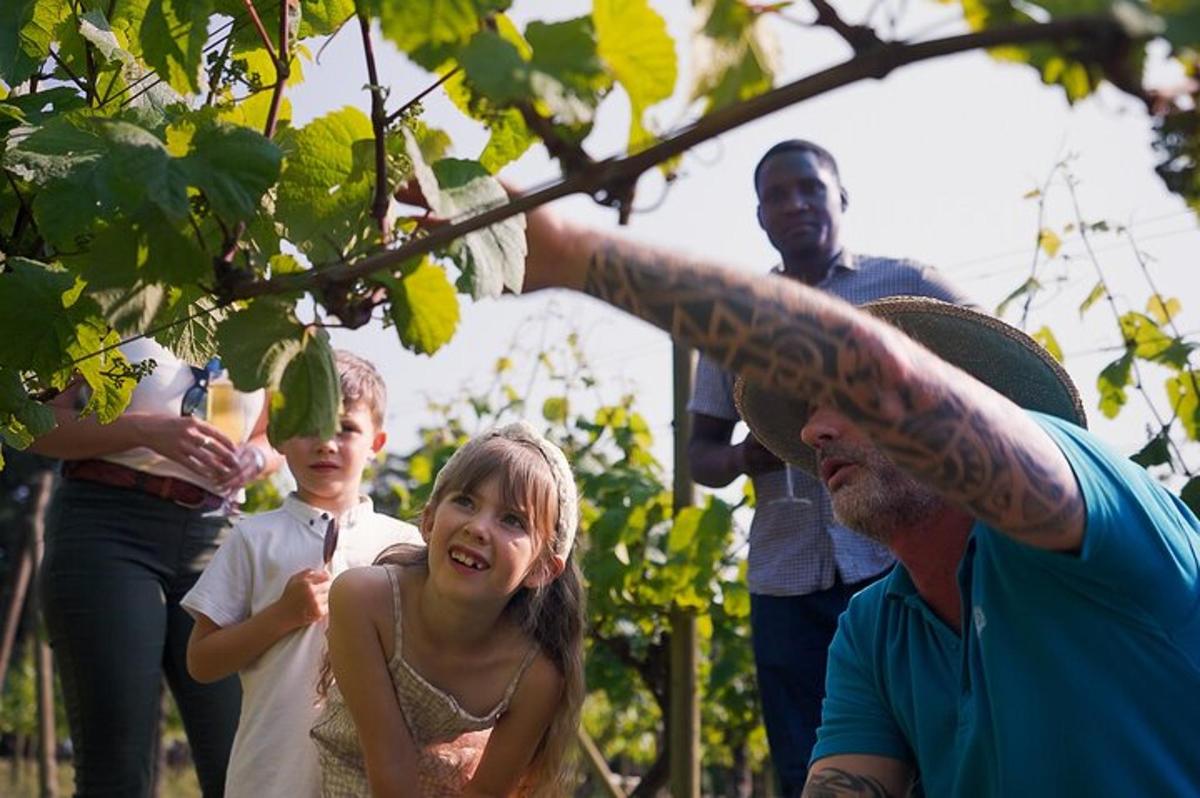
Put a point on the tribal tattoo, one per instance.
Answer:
(948, 431)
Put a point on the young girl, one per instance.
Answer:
(459, 666)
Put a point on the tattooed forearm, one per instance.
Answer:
(931, 421)
(838, 783)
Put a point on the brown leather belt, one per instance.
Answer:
(185, 494)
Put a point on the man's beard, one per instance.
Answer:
(879, 499)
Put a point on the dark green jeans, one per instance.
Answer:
(117, 564)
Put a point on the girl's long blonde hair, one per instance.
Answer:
(552, 615)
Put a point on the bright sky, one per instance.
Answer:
(937, 159)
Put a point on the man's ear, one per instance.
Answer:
(380, 440)
(758, 211)
(546, 571)
(845, 197)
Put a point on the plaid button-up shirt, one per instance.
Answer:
(797, 548)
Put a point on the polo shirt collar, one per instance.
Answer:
(843, 261)
(317, 519)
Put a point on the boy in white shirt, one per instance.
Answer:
(260, 605)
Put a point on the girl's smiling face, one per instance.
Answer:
(488, 531)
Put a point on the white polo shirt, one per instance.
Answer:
(272, 753)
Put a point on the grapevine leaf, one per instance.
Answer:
(735, 56)
(1155, 452)
(234, 166)
(632, 39)
(95, 29)
(319, 202)
(1162, 311)
(1151, 343)
(1111, 384)
(1097, 292)
(148, 247)
(104, 369)
(310, 395)
(173, 33)
(1045, 336)
(1030, 287)
(322, 17)
(495, 69)
(493, 258)
(26, 31)
(259, 342)
(188, 321)
(92, 168)
(431, 32)
(424, 307)
(1049, 241)
(556, 409)
(21, 418)
(1185, 401)
(34, 296)
(1191, 494)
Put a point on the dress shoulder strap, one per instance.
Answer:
(516, 679)
(393, 574)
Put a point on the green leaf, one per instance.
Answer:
(1155, 452)
(1030, 287)
(321, 199)
(431, 31)
(322, 17)
(1098, 291)
(1162, 311)
(95, 29)
(310, 395)
(173, 33)
(1111, 384)
(632, 39)
(21, 418)
(495, 69)
(555, 409)
(234, 166)
(258, 342)
(1185, 401)
(1045, 337)
(735, 59)
(1049, 242)
(189, 319)
(148, 248)
(94, 168)
(34, 296)
(424, 307)
(26, 31)
(492, 258)
(510, 138)
(1190, 494)
(1151, 343)
(107, 374)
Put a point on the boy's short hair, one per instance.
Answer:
(361, 382)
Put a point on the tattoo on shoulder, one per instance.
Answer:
(838, 783)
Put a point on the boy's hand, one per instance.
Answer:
(305, 598)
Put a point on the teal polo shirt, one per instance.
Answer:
(1073, 674)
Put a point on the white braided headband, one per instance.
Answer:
(560, 470)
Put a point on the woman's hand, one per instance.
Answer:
(193, 443)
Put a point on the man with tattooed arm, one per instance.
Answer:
(1041, 632)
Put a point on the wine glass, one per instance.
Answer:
(225, 410)
(790, 496)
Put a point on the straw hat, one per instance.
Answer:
(996, 354)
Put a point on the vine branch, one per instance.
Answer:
(603, 179)
(262, 32)
(861, 38)
(379, 204)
